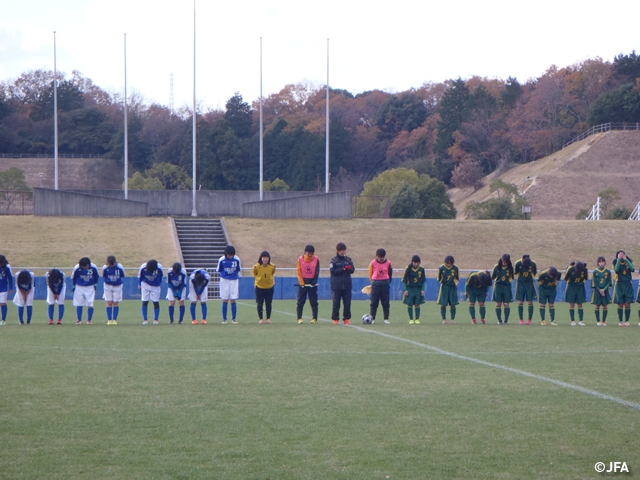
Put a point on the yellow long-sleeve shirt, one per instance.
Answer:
(264, 275)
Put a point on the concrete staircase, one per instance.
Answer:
(202, 242)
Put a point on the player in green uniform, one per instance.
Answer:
(547, 290)
(526, 270)
(576, 277)
(414, 281)
(476, 290)
(448, 276)
(600, 285)
(502, 275)
(623, 291)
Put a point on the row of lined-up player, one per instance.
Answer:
(341, 267)
(85, 278)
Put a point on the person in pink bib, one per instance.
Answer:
(308, 273)
(380, 273)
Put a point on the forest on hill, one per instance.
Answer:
(451, 131)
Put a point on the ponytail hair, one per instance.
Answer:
(55, 276)
(505, 261)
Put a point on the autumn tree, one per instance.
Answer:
(468, 173)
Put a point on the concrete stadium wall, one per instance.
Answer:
(69, 204)
(324, 205)
(208, 203)
(285, 289)
(111, 203)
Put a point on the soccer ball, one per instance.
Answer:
(367, 319)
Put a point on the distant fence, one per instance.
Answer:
(50, 155)
(605, 127)
(16, 203)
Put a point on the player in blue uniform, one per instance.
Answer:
(25, 290)
(113, 275)
(56, 293)
(85, 279)
(149, 282)
(177, 282)
(6, 286)
(198, 282)
(229, 268)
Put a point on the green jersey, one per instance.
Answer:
(470, 281)
(623, 270)
(547, 281)
(525, 275)
(574, 278)
(448, 276)
(501, 275)
(601, 279)
(414, 278)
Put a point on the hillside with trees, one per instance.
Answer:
(563, 185)
(455, 132)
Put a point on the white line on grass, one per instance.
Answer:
(559, 383)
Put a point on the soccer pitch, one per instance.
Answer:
(317, 401)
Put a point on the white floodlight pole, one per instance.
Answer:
(126, 126)
(194, 213)
(55, 115)
(326, 176)
(261, 138)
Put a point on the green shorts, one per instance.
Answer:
(477, 295)
(575, 294)
(414, 297)
(502, 293)
(448, 295)
(547, 295)
(525, 291)
(598, 299)
(623, 293)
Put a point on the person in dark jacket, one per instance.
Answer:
(341, 268)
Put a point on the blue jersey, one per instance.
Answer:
(113, 275)
(56, 288)
(229, 268)
(177, 282)
(85, 277)
(203, 287)
(152, 279)
(6, 278)
(25, 287)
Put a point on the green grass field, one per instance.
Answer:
(316, 401)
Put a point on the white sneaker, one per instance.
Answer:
(387, 322)
(144, 322)
(581, 324)
(155, 322)
(573, 324)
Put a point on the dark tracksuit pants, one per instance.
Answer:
(345, 295)
(313, 300)
(264, 295)
(380, 293)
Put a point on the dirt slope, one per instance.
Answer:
(569, 180)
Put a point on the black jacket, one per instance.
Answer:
(341, 278)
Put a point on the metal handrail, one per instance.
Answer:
(605, 127)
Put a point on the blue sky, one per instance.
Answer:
(392, 46)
